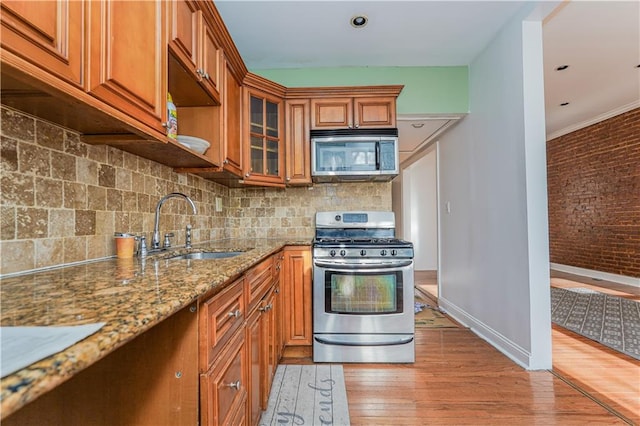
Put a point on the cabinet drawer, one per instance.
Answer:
(223, 392)
(220, 317)
(258, 282)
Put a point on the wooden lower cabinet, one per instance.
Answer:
(220, 317)
(151, 380)
(264, 345)
(296, 296)
(271, 339)
(254, 365)
(223, 389)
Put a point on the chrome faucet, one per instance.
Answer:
(155, 242)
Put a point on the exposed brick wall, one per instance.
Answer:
(594, 196)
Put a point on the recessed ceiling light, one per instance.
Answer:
(359, 21)
(564, 104)
(562, 67)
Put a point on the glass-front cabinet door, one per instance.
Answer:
(265, 153)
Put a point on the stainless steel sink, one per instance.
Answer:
(206, 255)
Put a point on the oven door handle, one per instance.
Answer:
(359, 266)
(398, 341)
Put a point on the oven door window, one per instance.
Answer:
(363, 293)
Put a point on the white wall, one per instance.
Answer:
(494, 269)
(420, 210)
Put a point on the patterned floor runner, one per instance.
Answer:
(307, 395)
(611, 320)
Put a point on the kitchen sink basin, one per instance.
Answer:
(206, 255)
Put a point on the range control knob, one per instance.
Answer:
(338, 218)
(332, 253)
(383, 252)
(394, 252)
(363, 252)
(343, 253)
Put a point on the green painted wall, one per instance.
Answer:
(427, 90)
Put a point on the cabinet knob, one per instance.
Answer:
(235, 313)
(247, 174)
(234, 385)
(288, 179)
(266, 308)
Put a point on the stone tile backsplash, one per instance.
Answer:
(61, 200)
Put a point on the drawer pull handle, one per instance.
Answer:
(266, 308)
(234, 385)
(235, 313)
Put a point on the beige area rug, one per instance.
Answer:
(307, 395)
(430, 316)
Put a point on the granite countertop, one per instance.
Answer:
(129, 295)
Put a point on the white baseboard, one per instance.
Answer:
(510, 349)
(590, 273)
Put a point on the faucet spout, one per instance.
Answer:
(155, 242)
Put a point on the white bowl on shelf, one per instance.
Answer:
(198, 145)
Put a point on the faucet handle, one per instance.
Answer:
(167, 241)
(142, 246)
(187, 241)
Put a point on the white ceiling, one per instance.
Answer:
(599, 40)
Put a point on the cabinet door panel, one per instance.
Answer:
(264, 163)
(375, 112)
(223, 389)
(127, 59)
(210, 59)
(48, 34)
(232, 108)
(334, 113)
(221, 316)
(297, 143)
(254, 359)
(296, 292)
(184, 19)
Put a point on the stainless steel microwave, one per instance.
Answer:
(354, 155)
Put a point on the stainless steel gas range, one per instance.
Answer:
(362, 289)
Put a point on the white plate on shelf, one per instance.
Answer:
(199, 145)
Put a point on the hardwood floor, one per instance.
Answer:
(608, 376)
(459, 379)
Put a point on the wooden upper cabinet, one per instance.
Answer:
(193, 45)
(210, 57)
(127, 60)
(182, 39)
(232, 110)
(353, 112)
(297, 142)
(48, 34)
(263, 141)
(334, 113)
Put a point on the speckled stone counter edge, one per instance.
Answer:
(129, 295)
